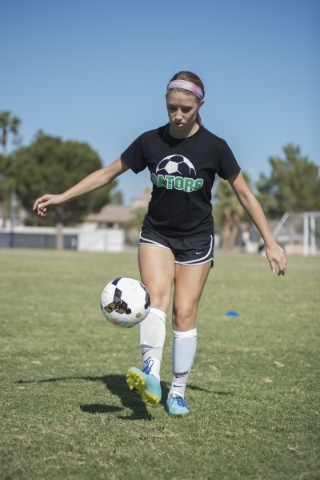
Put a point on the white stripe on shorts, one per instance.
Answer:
(198, 260)
(151, 242)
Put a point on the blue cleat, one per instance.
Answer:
(147, 386)
(177, 406)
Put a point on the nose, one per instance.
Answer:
(178, 115)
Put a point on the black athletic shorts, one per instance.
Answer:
(187, 251)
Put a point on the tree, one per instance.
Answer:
(117, 198)
(50, 165)
(136, 221)
(293, 185)
(8, 123)
(228, 213)
(6, 182)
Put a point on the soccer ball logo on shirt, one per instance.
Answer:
(176, 163)
(176, 172)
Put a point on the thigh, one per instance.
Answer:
(189, 284)
(157, 270)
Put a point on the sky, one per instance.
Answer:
(96, 72)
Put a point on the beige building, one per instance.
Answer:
(115, 216)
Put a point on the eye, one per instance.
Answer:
(186, 109)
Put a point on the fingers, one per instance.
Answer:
(40, 205)
(282, 267)
(271, 265)
(276, 255)
(42, 210)
(282, 264)
(38, 202)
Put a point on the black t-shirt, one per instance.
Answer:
(182, 173)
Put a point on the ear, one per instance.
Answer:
(201, 103)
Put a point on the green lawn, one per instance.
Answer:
(66, 411)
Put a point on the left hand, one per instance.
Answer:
(275, 254)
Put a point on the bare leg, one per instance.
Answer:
(157, 273)
(189, 283)
(157, 270)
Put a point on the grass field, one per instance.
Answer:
(66, 411)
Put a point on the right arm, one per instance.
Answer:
(93, 181)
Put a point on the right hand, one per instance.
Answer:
(41, 204)
(276, 254)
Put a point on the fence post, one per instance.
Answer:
(313, 234)
(59, 236)
(305, 234)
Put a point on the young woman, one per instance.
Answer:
(176, 238)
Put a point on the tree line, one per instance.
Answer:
(50, 164)
(47, 165)
(292, 186)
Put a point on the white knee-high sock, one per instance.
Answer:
(183, 352)
(152, 338)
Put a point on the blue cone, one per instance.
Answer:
(232, 313)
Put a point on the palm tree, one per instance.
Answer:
(8, 123)
(228, 212)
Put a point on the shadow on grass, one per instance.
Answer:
(98, 408)
(117, 386)
(222, 393)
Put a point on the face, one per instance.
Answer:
(182, 110)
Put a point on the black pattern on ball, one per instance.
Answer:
(118, 304)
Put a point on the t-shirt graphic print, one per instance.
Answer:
(178, 172)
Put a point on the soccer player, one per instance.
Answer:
(176, 240)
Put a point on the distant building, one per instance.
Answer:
(110, 216)
(115, 216)
(143, 201)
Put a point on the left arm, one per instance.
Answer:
(251, 205)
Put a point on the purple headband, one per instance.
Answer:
(192, 87)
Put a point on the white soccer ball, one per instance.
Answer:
(125, 302)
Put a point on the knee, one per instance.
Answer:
(159, 300)
(184, 319)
